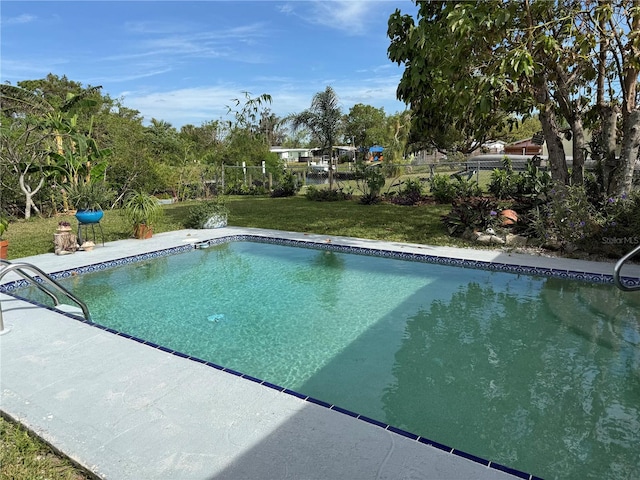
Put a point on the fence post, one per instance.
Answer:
(244, 172)
(270, 181)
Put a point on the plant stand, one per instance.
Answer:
(85, 227)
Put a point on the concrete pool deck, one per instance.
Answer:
(125, 410)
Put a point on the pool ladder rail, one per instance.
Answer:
(42, 281)
(618, 267)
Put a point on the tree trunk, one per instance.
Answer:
(557, 161)
(609, 127)
(622, 176)
(577, 170)
(28, 194)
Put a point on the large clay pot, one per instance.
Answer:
(142, 231)
(4, 249)
(508, 217)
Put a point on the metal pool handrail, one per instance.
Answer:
(21, 269)
(618, 267)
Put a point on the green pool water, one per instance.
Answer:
(540, 374)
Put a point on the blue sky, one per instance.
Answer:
(184, 62)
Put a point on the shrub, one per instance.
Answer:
(470, 214)
(200, 213)
(445, 190)
(374, 180)
(326, 195)
(288, 186)
(619, 222)
(92, 195)
(442, 188)
(533, 183)
(566, 218)
(411, 192)
(466, 187)
(501, 184)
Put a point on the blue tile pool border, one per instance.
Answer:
(417, 257)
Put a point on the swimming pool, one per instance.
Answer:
(535, 372)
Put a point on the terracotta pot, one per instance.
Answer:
(143, 231)
(4, 247)
(508, 217)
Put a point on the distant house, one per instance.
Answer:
(309, 154)
(493, 146)
(292, 154)
(528, 146)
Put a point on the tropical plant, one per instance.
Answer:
(370, 181)
(142, 208)
(88, 195)
(501, 184)
(409, 193)
(470, 214)
(46, 134)
(325, 194)
(323, 119)
(442, 188)
(567, 219)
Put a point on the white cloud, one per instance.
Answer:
(19, 20)
(200, 104)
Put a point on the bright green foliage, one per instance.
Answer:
(468, 64)
(142, 208)
(442, 188)
(445, 189)
(533, 184)
(366, 126)
(454, 105)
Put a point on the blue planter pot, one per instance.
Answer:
(89, 216)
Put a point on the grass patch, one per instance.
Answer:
(411, 224)
(23, 456)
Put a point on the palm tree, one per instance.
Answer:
(324, 120)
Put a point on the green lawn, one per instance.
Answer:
(413, 224)
(24, 457)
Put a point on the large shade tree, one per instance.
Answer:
(467, 63)
(365, 126)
